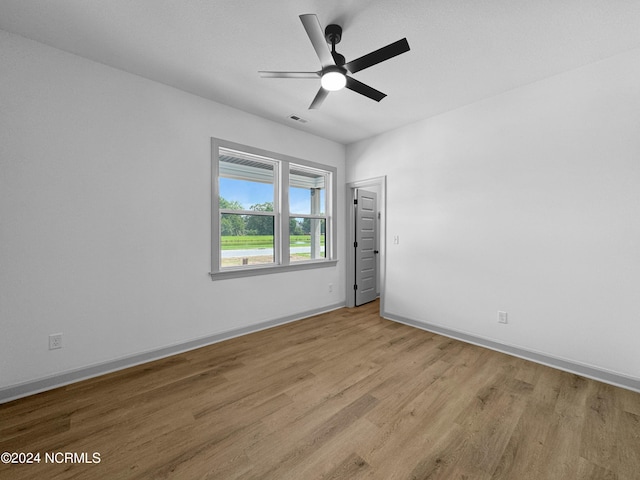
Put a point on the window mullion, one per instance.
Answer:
(284, 210)
(277, 205)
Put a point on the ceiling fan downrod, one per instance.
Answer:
(333, 35)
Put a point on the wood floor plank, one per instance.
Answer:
(352, 467)
(342, 395)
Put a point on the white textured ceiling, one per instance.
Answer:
(461, 50)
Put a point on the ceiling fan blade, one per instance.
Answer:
(380, 55)
(320, 96)
(363, 89)
(264, 74)
(316, 35)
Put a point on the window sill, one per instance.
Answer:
(242, 272)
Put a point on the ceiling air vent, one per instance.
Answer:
(297, 118)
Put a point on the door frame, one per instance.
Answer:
(381, 184)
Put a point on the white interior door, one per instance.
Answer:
(366, 275)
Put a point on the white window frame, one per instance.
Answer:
(308, 183)
(281, 214)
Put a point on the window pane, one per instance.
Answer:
(307, 191)
(307, 239)
(245, 182)
(246, 239)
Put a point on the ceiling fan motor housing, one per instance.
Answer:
(333, 34)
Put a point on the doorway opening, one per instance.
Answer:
(366, 242)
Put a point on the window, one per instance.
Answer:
(246, 186)
(270, 212)
(307, 213)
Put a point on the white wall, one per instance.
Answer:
(105, 215)
(527, 202)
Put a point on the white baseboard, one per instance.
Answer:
(24, 389)
(605, 376)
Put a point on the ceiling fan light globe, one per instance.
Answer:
(333, 81)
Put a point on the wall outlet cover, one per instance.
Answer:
(55, 341)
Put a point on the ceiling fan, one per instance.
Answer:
(333, 75)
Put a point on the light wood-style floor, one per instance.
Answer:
(344, 395)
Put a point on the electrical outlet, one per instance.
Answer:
(502, 317)
(330, 287)
(55, 341)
